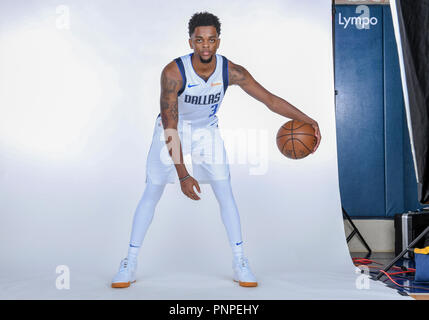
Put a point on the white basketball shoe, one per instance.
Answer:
(242, 273)
(126, 274)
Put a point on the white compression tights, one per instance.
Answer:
(229, 212)
(152, 194)
(144, 212)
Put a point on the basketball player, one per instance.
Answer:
(192, 89)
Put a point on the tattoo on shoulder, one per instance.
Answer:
(174, 112)
(237, 74)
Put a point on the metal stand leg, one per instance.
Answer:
(411, 245)
(355, 231)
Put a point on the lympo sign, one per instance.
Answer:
(364, 21)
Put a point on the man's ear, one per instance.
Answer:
(218, 43)
(190, 44)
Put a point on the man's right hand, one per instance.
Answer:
(188, 188)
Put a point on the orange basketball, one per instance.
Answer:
(296, 139)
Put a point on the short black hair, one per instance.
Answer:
(201, 19)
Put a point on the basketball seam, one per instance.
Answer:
(296, 134)
(285, 143)
(303, 145)
(295, 128)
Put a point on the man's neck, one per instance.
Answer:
(203, 67)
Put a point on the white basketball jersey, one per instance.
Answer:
(199, 100)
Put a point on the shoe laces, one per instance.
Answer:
(243, 263)
(125, 265)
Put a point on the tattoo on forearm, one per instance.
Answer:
(174, 111)
(169, 108)
(164, 116)
(237, 74)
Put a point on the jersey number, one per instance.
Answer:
(214, 109)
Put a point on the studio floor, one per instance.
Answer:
(417, 290)
(90, 280)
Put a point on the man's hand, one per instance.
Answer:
(188, 188)
(317, 134)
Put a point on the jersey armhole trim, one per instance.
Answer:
(179, 63)
(225, 74)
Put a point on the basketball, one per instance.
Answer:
(296, 139)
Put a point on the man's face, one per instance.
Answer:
(205, 42)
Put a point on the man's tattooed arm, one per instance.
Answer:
(237, 74)
(170, 85)
(171, 82)
(240, 76)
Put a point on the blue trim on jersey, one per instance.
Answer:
(225, 74)
(179, 63)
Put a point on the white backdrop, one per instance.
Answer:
(79, 94)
